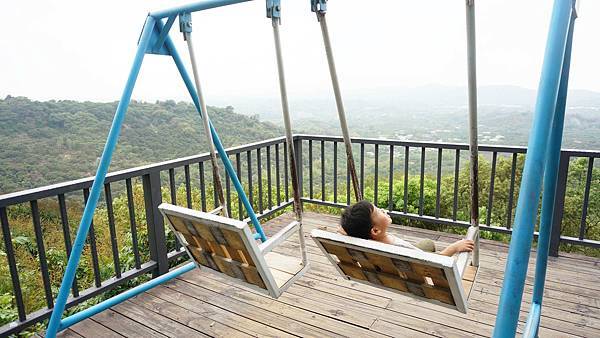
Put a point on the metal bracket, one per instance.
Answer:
(274, 10)
(185, 24)
(318, 6)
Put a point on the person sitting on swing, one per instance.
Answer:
(365, 220)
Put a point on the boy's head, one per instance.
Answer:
(364, 220)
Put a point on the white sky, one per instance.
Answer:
(82, 50)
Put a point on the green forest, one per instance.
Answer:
(55, 141)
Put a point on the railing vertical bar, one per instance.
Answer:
(260, 180)
(202, 186)
(456, 173)
(39, 238)
(391, 181)
(491, 195)
(323, 170)
(238, 169)
(286, 171)
(362, 169)
(348, 181)
(12, 264)
(228, 193)
(310, 170)
(406, 156)
(511, 191)
(376, 183)
(133, 225)
(438, 191)
(64, 219)
(269, 181)
(422, 183)
(335, 173)
(277, 174)
(112, 229)
(559, 202)
(188, 186)
(249, 169)
(586, 198)
(92, 241)
(172, 187)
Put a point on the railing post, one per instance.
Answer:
(156, 227)
(299, 164)
(559, 203)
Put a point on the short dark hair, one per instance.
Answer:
(356, 220)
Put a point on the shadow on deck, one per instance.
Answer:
(322, 304)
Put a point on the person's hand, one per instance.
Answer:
(465, 245)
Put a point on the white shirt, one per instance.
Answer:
(402, 243)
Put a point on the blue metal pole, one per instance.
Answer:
(529, 194)
(218, 145)
(107, 304)
(194, 7)
(533, 321)
(90, 207)
(550, 178)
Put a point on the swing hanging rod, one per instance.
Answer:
(185, 26)
(274, 12)
(320, 8)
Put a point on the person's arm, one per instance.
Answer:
(460, 246)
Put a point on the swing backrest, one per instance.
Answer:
(222, 245)
(423, 275)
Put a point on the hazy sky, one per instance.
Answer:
(82, 50)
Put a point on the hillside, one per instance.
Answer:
(54, 141)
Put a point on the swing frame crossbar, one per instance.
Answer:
(154, 39)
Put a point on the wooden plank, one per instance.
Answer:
(155, 320)
(241, 306)
(68, 333)
(408, 329)
(125, 326)
(90, 328)
(311, 259)
(323, 304)
(552, 296)
(198, 305)
(193, 319)
(294, 311)
(341, 293)
(416, 327)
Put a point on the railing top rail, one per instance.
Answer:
(416, 144)
(79, 184)
(82, 183)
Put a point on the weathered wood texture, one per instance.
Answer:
(323, 304)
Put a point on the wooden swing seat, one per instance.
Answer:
(227, 247)
(442, 280)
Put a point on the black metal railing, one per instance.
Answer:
(266, 182)
(416, 181)
(427, 161)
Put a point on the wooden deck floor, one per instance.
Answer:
(321, 304)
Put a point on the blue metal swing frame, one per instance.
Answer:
(542, 161)
(541, 167)
(154, 39)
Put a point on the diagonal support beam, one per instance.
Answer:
(217, 141)
(90, 207)
(163, 34)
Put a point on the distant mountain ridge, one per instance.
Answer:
(53, 141)
(321, 104)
